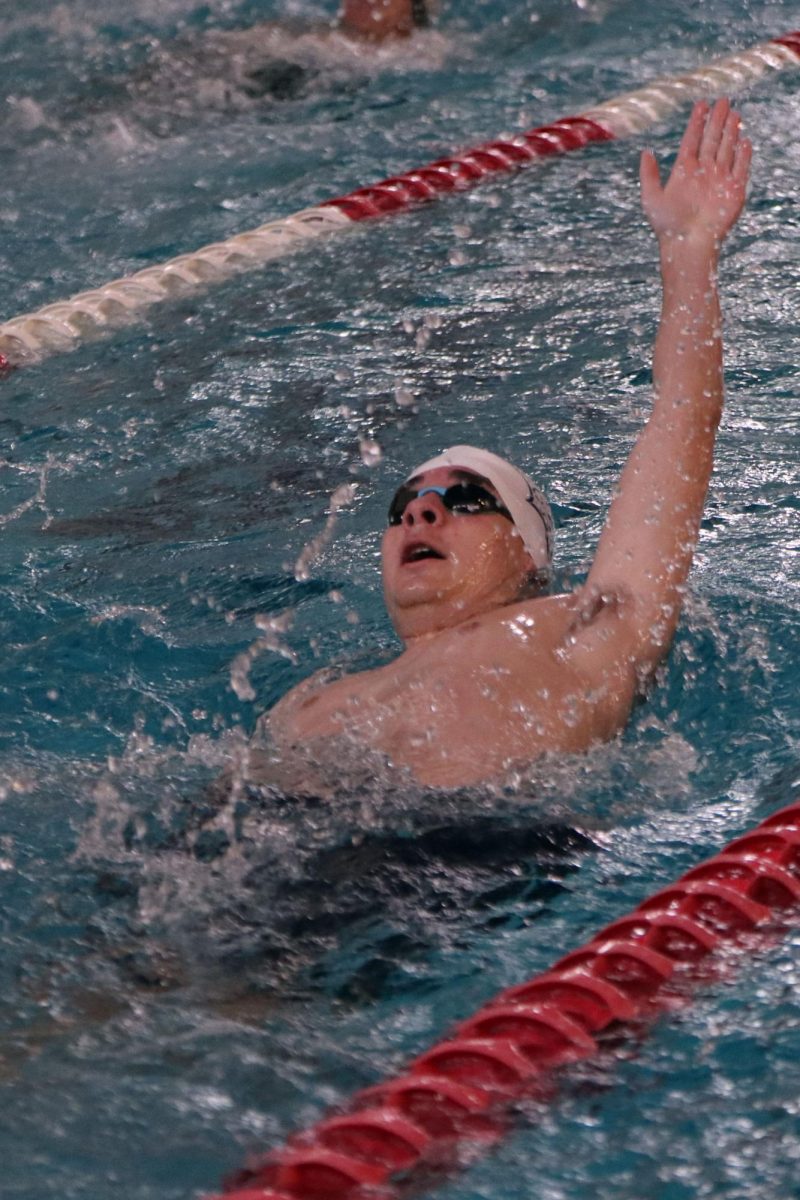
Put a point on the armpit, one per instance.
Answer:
(601, 644)
(600, 632)
(592, 604)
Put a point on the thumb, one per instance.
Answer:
(649, 178)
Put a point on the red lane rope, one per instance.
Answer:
(461, 1089)
(462, 170)
(62, 325)
(504, 154)
(790, 40)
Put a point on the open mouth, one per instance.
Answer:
(418, 552)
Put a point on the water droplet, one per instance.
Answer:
(403, 397)
(370, 451)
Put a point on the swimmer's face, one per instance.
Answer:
(441, 567)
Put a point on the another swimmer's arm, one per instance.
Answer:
(646, 549)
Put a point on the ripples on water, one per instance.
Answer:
(184, 976)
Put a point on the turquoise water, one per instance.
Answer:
(183, 983)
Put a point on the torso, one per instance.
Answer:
(466, 704)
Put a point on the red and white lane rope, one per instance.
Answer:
(63, 325)
(460, 1092)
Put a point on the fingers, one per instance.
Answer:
(714, 129)
(706, 187)
(720, 142)
(693, 134)
(729, 140)
(649, 177)
(711, 134)
(741, 161)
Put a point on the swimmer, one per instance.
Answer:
(495, 672)
(377, 20)
(233, 70)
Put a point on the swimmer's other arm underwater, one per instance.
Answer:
(494, 671)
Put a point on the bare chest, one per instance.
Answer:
(458, 708)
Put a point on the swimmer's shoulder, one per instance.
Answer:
(550, 614)
(577, 609)
(329, 701)
(584, 627)
(280, 718)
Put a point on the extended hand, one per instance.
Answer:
(706, 188)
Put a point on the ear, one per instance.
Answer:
(535, 582)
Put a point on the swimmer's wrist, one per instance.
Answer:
(689, 261)
(691, 244)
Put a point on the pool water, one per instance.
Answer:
(187, 976)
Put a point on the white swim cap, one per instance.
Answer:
(523, 499)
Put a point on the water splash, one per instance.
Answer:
(343, 497)
(39, 498)
(274, 629)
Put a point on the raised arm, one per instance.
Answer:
(646, 548)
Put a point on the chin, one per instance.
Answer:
(427, 586)
(433, 615)
(417, 612)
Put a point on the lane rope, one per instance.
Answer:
(63, 325)
(461, 1091)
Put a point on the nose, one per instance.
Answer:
(424, 510)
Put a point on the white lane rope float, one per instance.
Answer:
(63, 325)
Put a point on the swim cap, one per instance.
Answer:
(523, 499)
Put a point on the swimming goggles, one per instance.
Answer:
(463, 499)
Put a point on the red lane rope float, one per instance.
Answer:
(461, 1089)
(61, 326)
(448, 174)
